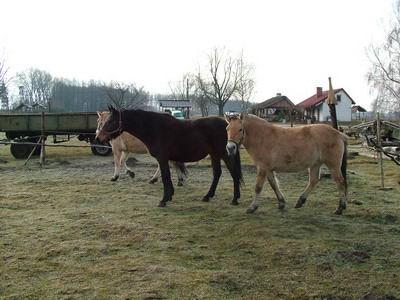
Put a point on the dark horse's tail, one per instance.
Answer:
(344, 164)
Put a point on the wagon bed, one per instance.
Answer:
(25, 128)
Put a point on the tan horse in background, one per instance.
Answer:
(125, 144)
(278, 149)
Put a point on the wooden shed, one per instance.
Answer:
(276, 108)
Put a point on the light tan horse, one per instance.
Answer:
(278, 149)
(125, 144)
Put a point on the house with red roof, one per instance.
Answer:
(316, 107)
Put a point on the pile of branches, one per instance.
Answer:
(389, 133)
(392, 152)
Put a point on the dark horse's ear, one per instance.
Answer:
(227, 117)
(242, 115)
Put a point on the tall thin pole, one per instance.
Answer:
(291, 117)
(43, 138)
(187, 97)
(378, 135)
(332, 105)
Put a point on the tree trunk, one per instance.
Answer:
(221, 109)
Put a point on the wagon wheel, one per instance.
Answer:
(102, 151)
(21, 151)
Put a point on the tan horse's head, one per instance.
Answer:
(102, 118)
(235, 131)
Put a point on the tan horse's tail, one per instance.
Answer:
(344, 164)
(182, 168)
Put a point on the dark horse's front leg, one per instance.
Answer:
(166, 179)
(235, 172)
(216, 166)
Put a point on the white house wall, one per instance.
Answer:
(343, 109)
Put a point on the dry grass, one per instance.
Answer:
(67, 232)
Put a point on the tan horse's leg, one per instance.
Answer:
(124, 158)
(156, 175)
(313, 179)
(178, 173)
(117, 164)
(261, 174)
(340, 183)
(275, 187)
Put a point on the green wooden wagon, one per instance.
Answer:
(25, 129)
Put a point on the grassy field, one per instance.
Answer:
(68, 232)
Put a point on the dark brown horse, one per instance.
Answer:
(178, 140)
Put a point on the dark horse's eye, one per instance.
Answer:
(241, 129)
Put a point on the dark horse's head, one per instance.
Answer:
(109, 124)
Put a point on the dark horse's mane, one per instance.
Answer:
(168, 138)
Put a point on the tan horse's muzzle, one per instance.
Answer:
(231, 148)
(101, 136)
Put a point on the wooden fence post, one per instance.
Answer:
(43, 139)
(378, 136)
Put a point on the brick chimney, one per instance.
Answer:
(278, 94)
(319, 91)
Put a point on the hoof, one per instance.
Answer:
(162, 204)
(251, 209)
(180, 183)
(234, 202)
(281, 205)
(114, 178)
(152, 181)
(131, 174)
(205, 199)
(298, 205)
(300, 202)
(338, 211)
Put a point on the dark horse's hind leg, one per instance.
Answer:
(235, 176)
(216, 165)
(166, 179)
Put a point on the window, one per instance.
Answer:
(338, 98)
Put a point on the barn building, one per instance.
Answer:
(274, 109)
(358, 112)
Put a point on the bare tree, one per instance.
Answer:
(187, 89)
(126, 96)
(4, 96)
(246, 83)
(182, 89)
(36, 87)
(201, 101)
(4, 80)
(3, 70)
(384, 73)
(220, 81)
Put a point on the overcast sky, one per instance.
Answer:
(294, 45)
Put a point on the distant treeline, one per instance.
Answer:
(72, 96)
(39, 91)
